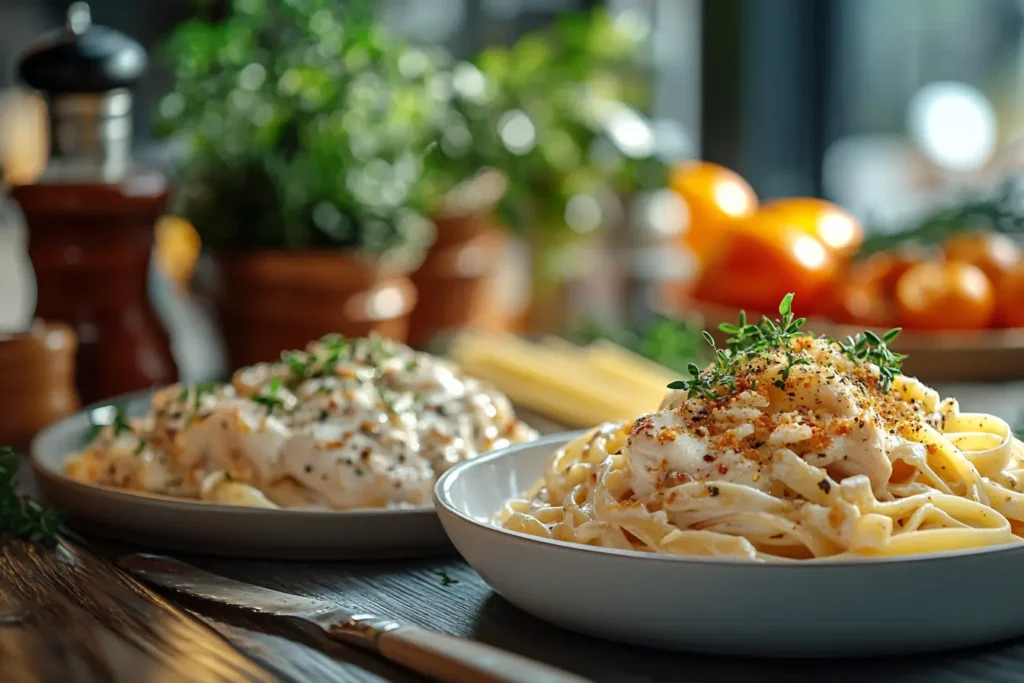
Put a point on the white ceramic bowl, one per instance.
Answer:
(817, 608)
(200, 527)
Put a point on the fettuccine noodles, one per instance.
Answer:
(803, 460)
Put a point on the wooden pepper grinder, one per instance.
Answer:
(91, 214)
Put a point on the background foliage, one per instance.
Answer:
(307, 125)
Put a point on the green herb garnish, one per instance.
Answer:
(445, 579)
(378, 349)
(868, 347)
(229, 477)
(198, 390)
(120, 421)
(337, 348)
(297, 363)
(270, 400)
(767, 335)
(21, 517)
(791, 360)
(747, 341)
(388, 397)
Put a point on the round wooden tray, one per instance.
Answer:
(932, 356)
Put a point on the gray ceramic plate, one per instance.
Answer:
(206, 528)
(816, 608)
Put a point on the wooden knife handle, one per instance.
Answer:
(458, 660)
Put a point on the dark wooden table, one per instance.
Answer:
(70, 616)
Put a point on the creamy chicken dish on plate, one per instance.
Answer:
(343, 424)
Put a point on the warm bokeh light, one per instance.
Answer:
(24, 144)
(809, 252)
(954, 124)
(734, 199)
(176, 250)
(837, 231)
(715, 196)
(835, 227)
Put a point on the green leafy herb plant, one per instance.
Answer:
(20, 517)
(305, 126)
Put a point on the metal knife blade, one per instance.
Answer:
(179, 576)
(437, 655)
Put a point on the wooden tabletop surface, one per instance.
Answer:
(69, 615)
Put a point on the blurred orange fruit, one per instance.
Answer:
(993, 252)
(715, 196)
(950, 295)
(760, 260)
(855, 302)
(1010, 297)
(836, 228)
(886, 268)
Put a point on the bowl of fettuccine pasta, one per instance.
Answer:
(796, 496)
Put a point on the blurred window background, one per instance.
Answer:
(838, 98)
(885, 107)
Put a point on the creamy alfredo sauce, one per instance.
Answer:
(809, 400)
(344, 424)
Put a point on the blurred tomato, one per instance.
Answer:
(715, 196)
(762, 258)
(837, 229)
(993, 252)
(950, 295)
(857, 303)
(1010, 297)
(884, 269)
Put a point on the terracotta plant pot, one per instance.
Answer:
(38, 368)
(272, 301)
(456, 280)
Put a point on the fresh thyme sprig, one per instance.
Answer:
(707, 384)
(21, 517)
(747, 341)
(868, 347)
(791, 360)
(337, 349)
(197, 391)
(269, 398)
(298, 363)
(754, 339)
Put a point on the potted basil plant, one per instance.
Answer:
(305, 129)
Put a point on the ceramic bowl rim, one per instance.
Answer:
(443, 501)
